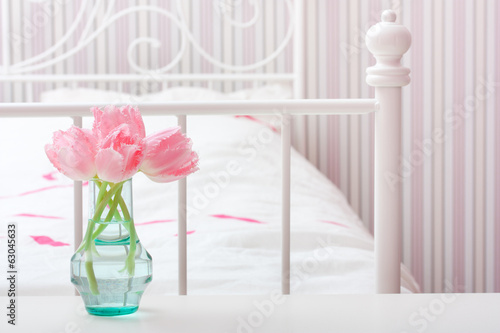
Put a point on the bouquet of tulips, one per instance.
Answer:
(111, 153)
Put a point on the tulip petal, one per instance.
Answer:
(168, 156)
(119, 137)
(161, 137)
(116, 166)
(133, 156)
(129, 148)
(106, 120)
(72, 153)
(74, 167)
(110, 165)
(51, 153)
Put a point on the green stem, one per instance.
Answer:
(102, 200)
(102, 190)
(130, 261)
(117, 214)
(101, 205)
(89, 266)
(133, 247)
(114, 204)
(113, 211)
(98, 231)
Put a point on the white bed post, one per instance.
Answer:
(388, 41)
(5, 37)
(298, 50)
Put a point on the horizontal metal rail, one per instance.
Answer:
(269, 107)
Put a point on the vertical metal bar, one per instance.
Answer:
(77, 205)
(285, 205)
(354, 121)
(28, 91)
(298, 49)
(5, 36)
(227, 50)
(310, 79)
(365, 147)
(182, 223)
(77, 201)
(341, 71)
(269, 40)
(186, 63)
(300, 130)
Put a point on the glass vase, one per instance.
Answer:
(111, 269)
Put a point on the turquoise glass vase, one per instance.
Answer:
(111, 269)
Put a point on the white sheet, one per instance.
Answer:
(331, 250)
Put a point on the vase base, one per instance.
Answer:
(111, 311)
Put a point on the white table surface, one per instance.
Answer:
(469, 313)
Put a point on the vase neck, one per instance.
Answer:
(110, 203)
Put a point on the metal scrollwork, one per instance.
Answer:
(47, 58)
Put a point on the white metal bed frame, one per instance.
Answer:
(387, 41)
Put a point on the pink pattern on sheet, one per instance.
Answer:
(335, 223)
(154, 222)
(245, 219)
(42, 189)
(45, 240)
(39, 216)
(274, 129)
(187, 233)
(50, 176)
(36, 191)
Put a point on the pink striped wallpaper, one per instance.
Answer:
(451, 132)
(495, 230)
(458, 147)
(450, 142)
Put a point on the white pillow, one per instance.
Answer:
(80, 95)
(83, 95)
(274, 91)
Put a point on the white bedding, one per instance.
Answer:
(234, 220)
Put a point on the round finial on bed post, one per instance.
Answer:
(388, 16)
(388, 41)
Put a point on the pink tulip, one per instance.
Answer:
(168, 156)
(72, 153)
(105, 121)
(119, 155)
